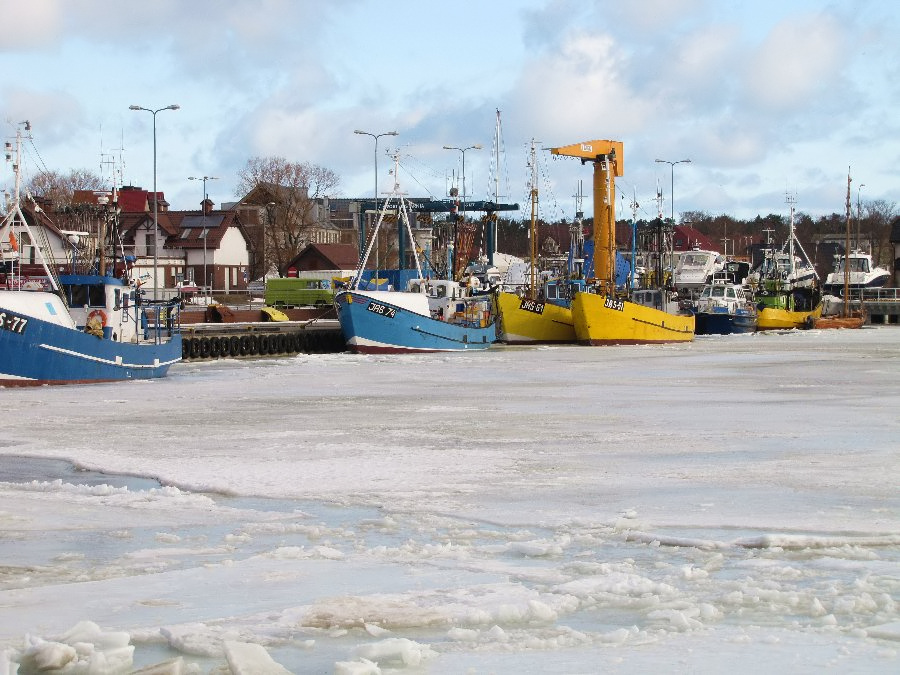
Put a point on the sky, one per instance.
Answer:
(765, 99)
(725, 505)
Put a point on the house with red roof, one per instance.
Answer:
(208, 247)
(686, 237)
(330, 257)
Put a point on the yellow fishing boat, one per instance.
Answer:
(526, 321)
(606, 320)
(602, 317)
(775, 318)
(536, 317)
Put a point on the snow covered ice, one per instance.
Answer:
(729, 504)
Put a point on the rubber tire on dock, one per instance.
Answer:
(215, 347)
(234, 346)
(185, 348)
(195, 348)
(262, 345)
(254, 345)
(204, 347)
(245, 345)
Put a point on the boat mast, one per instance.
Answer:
(576, 233)
(6, 233)
(497, 161)
(492, 233)
(791, 201)
(845, 305)
(403, 214)
(634, 208)
(532, 164)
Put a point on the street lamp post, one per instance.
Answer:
(477, 146)
(203, 229)
(462, 151)
(858, 214)
(362, 242)
(672, 164)
(174, 106)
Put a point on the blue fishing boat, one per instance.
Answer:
(428, 315)
(88, 326)
(42, 341)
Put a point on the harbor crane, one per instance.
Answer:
(608, 160)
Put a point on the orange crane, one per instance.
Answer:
(608, 158)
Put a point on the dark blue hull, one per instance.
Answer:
(46, 353)
(722, 323)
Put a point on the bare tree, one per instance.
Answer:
(877, 216)
(60, 188)
(292, 192)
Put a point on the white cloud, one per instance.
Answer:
(581, 91)
(30, 25)
(800, 60)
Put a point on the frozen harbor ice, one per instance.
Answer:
(730, 503)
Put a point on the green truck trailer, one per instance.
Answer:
(299, 292)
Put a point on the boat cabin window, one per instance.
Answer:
(718, 291)
(693, 259)
(856, 265)
(441, 291)
(92, 295)
(552, 291)
(97, 295)
(415, 287)
(729, 292)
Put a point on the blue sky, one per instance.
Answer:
(764, 98)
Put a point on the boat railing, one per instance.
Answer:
(163, 319)
(876, 294)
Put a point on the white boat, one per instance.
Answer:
(696, 268)
(863, 273)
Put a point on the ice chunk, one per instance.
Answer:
(396, 650)
(83, 648)
(886, 631)
(44, 656)
(361, 667)
(247, 658)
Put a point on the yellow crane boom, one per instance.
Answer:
(608, 158)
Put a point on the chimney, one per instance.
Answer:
(207, 205)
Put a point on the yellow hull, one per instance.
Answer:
(772, 318)
(523, 321)
(600, 320)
